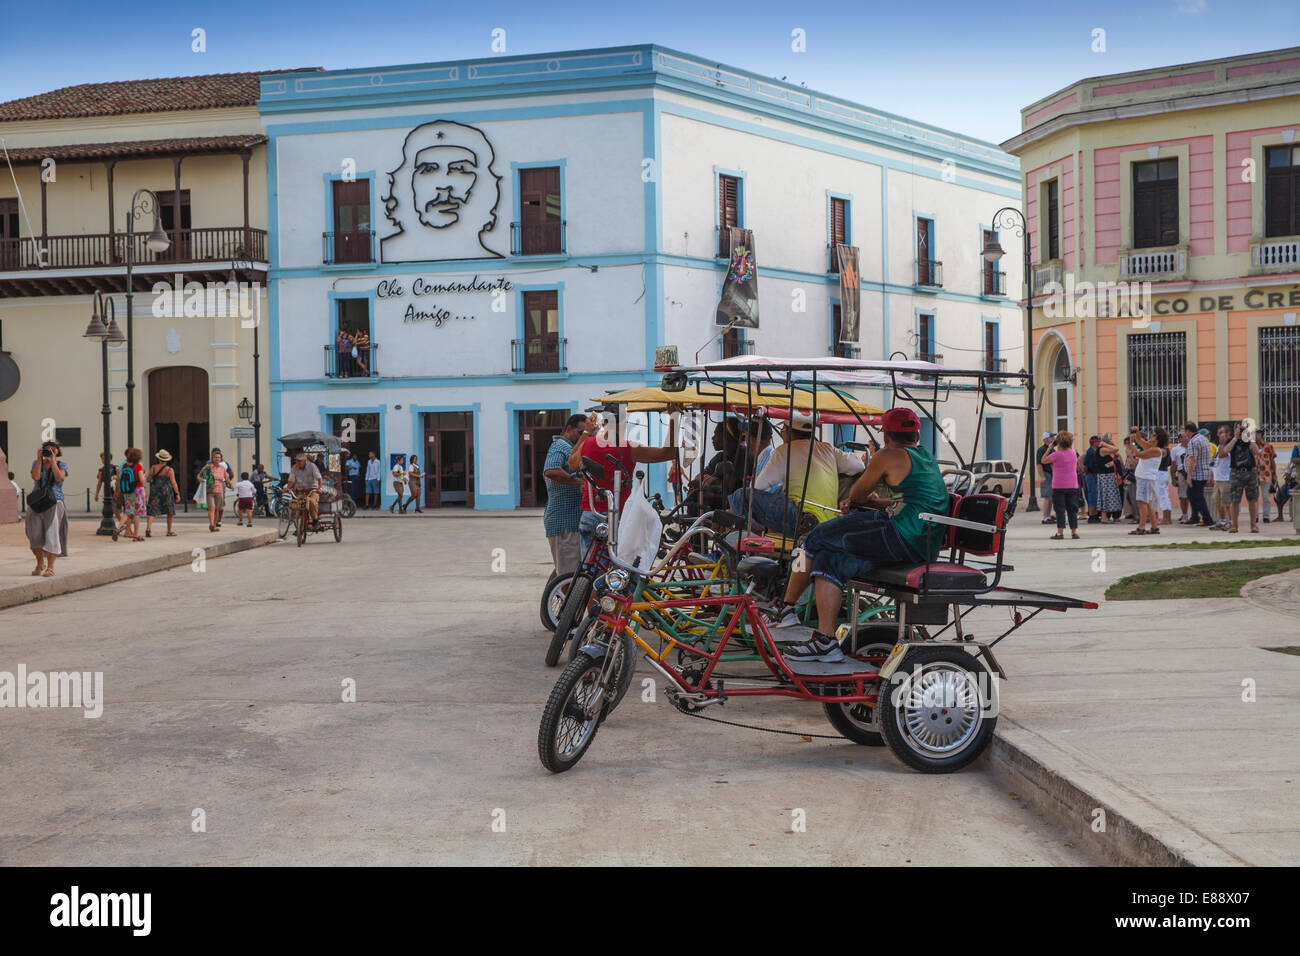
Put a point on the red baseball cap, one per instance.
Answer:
(901, 420)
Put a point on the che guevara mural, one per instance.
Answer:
(442, 200)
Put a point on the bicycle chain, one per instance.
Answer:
(766, 730)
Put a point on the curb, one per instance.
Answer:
(1063, 787)
(81, 580)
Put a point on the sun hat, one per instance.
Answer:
(163, 455)
(900, 420)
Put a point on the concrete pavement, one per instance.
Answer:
(93, 560)
(224, 692)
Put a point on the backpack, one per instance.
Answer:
(126, 479)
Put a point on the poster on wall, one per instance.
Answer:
(443, 196)
(850, 292)
(739, 303)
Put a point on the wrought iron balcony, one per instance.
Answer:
(996, 365)
(215, 244)
(995, 283)
(845, 350)
(340, 364)
(339, 248)
(540, 355)
(929, 272)
(544, 238)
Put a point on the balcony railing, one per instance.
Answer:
(216, 244)
(344, 247)
(995, 283)
(1046, 273)
(544, 238)
(542, 354)
(998, 366)
(341, 365)
(1270, 254)
(845, 350)
(929, 272)
(1154, 262)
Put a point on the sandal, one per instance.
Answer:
(1058, 536)
(37, 572)
(1137, 531)
(137, 538)
(171, 534)
(1154, 531)
(1254, 530)
(1074, 535)
(148, 534)
(47, 573)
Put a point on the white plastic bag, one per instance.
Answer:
(639, 530)
(201, 496)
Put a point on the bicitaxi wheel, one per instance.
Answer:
(939, 709)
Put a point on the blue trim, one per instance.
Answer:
(329, 179)
(616, 378)
(928, 345)
(848, 215)
(417, 441)
(653, 215)
(641, 67)
(325, 411)
(993, 451)
(512, 437)
(517, 205)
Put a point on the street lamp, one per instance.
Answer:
(106, 334)
(144, 202)
(243, 256)
(245, 409)
(1009, 217)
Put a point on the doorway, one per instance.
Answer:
(449, 459)
(364, 439)
(536, 430)
(178, 420)
(1062, 393)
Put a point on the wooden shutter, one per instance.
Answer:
(728, 201)
(838, 222)
(1053, 220)
(1168, 212)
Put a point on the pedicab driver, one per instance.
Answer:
(846, 547)
(305, 477)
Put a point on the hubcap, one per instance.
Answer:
(938, 710)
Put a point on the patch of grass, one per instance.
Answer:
(1285, 650)
(1217, 579)
(1225, 543)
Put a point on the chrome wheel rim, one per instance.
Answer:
(864, 716)
(938, 710)
(580, 713)
(555, 601)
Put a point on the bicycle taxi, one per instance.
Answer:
(294, 510)
(927, 691)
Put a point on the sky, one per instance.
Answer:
(962, 65)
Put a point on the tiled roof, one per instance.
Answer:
(212, 91)
(134, 149)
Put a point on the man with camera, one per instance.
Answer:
(47, 517)
(1243, 475)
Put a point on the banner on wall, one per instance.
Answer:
(850, 292)
(739, 303)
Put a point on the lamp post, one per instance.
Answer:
(144, 202)
(1009, 217)
(242, 256)
(106, 334)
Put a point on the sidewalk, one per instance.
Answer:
(93, 560)
(1137, 708)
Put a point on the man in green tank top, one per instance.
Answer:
(851, 545)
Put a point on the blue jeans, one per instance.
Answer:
(851, 545)
(1090, 488)
(587, 530)
(770, 509)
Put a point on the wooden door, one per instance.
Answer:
(9, 241)
(178, 411)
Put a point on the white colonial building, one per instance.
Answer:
(516, 235)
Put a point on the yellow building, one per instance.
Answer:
(1165, 211)
(81, 162)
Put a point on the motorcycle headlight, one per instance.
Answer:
(616, 580)
(602, 532)
(608, 604)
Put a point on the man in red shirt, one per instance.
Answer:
(596, 445)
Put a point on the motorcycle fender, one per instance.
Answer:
(894, 662)
(594, 651)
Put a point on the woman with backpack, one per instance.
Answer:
(163, 493)
(130, 482)
(47, 517)
(217, 475)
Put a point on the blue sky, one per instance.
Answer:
(963, 65)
